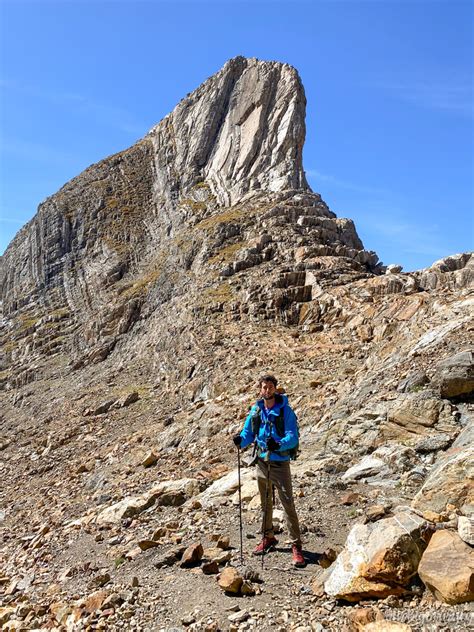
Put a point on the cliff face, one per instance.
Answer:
(241, 131)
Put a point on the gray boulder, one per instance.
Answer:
(384, 465)
(455, 375)
(451, 480)
(414, 380)
(415, 414)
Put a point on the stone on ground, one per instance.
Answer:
(192, 555)
(230, 580)
(150, 459)
(378, 559)
(447, 568)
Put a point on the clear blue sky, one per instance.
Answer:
(389, 88)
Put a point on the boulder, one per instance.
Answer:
(159, 532)
(433, 443)
(414, 414)
(168, 493)
(126, 400)
(215, 554)
(223, 542)
(351, 498)
(147, 544)
(455, 375)
(100, 409)
(379, 559)
(210, 568)
(170, 557)
(94, 601)
(126, 508)
(359, 617)
(224, 487)
(455, 272)
(248, 491)
(375, 512)
(447, 568)
(192, 555)
(371, 466)
(451, 479)
(239, 617)
(230, 580)
(393, 268)
(466, 529)
(174, 493)
(99, 580)
(383, 465)
(371, 620)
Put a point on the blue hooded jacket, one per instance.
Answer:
(268, 428)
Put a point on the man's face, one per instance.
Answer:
(267, 390)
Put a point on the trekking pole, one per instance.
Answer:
(240, 509)
(265, 509)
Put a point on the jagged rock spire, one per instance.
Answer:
(241, 131)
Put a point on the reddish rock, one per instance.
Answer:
(210, 568)
(230, 580)
(375, 513)
(147, 544)
(94, 601)
(447, 568)
(150, 459)
(327, 558)
(223, 542)
(192, 555)
(351, 498)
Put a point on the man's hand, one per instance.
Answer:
(273, 445)
(237, 439)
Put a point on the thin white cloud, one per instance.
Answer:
(36, 152)
(344, 184)
(436, 88)
(439, 97)
(104, 113)
(407, 237)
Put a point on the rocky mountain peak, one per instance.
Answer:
(241, 131)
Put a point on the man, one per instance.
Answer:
(271, 423)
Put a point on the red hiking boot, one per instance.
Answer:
(267, 544)
(298, 559)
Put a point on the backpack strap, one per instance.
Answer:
(280, 423)
(256, 422)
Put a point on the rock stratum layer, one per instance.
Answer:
(138, 306)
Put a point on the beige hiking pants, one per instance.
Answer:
(280, 477)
